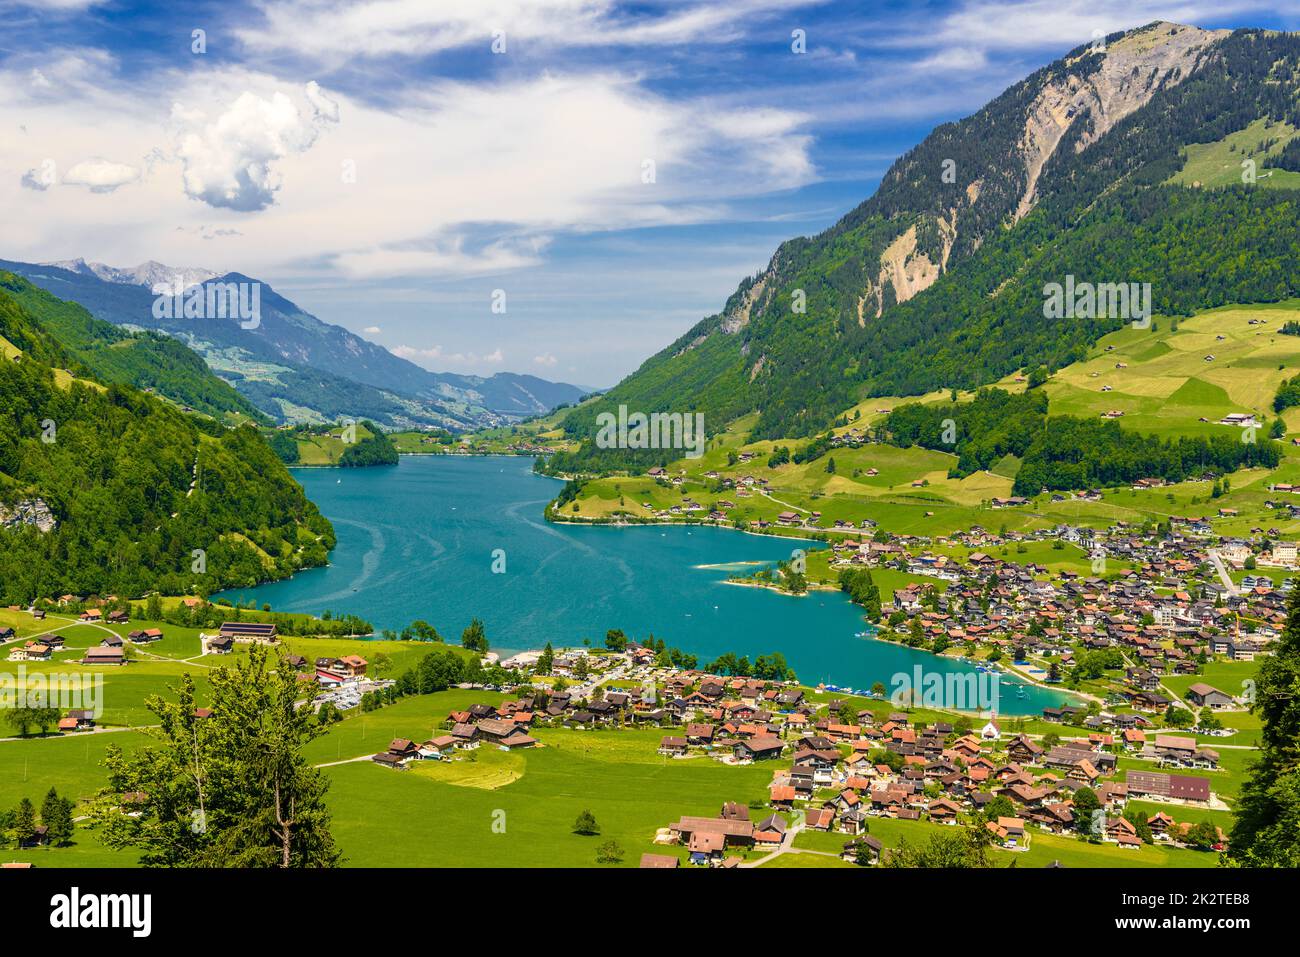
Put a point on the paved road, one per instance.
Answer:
(1223, 573)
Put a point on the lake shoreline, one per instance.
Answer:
(418, 541)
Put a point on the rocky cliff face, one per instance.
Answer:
(30, 511)
(1133, 68)
(1096, 88)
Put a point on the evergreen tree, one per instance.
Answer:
(231, 789)
(1266, 832)
(56, 815)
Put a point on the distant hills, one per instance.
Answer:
(293, 367)
(1163, 155)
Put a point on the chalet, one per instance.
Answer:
(770, 832)
(757, 749)
(104, 656)
(1023, 750)
(32, 651)
(819, 819)
(659, 861)
(674, 746)
(1207, 696)
(1009, 832)
(217, 645)
(871, 849)
(145, 636)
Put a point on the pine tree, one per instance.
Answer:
(25, 822)
(56, 815)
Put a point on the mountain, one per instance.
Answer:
(1085, 169)
(291, 365)
(106, 489)
(146, 360)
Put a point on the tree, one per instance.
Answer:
(25, 822)
(615, 640)
(1202, 835)
(609, 853)
(1085, 803)
(56, 815)
(380, 662)
(862, 853)
(474, 637)
(950, 847)
(424, 631)
(586, 825)
(1000, 806)
(1266, 832)
(231, 789)
(153, 608)
(546, 660)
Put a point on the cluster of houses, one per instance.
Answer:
(1159, 611)
(842, 775)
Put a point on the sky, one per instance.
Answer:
(555, 187)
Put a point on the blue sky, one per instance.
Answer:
(383, 166)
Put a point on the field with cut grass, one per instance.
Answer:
(1178, 378)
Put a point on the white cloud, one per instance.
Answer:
(341, 28)
(452, 179)
(445, 359)
(40, 178)
(231, 161)
(372, 330)
(546, 359)
(100, 175)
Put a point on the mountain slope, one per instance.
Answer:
(106, 489)
(145, 360)
(292, 364)
(937, 280)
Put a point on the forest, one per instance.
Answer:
(144, 496)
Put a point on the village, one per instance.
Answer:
(1153, 658)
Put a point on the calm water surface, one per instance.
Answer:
(417, 540)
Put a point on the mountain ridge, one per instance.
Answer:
(293, 364)
(1074, 159)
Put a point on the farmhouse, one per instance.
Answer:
(1207, 696)
(104, 656)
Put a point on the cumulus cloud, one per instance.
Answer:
(372, 330)
(41, 178)
(101, 175)
(546, 359)
(230, 161)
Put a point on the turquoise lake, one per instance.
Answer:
(417, 540)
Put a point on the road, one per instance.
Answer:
(1223, 573)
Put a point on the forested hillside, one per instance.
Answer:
(139, 495)
(937, 281)
(145, 360)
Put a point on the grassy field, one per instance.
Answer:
(471, 816)
(1044, 848)
(1162, 379)
(1217, 164)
